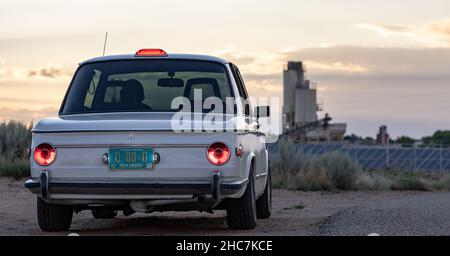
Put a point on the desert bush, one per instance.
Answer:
(443, 183)
(411, 181)
(392, 179)
(338, 171)
(314, 179)
(286, 165)
(341, 169)
(16, 168)
(15, 139)
(373, 180)
(295, 170)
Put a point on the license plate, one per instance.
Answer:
(130, 158)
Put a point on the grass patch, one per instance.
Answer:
(15, 139)
(337, 171)
(296, 171)
(404, 180)
(17, 168)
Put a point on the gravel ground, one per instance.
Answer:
(422, 214)
(294, 213)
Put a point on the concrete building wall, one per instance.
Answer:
(293, 78)
(305, 106)
(300, 120)
(290, 78)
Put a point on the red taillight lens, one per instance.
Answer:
(150, 52)
(44, 154)
(218, 153)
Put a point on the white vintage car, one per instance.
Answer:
(117, 144)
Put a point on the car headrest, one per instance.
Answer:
(202, 81)
(133, 91)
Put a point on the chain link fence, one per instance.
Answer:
(383, 157)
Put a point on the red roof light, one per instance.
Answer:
(151, 53)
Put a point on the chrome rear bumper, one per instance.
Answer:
(216, 188)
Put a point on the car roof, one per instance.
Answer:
(169, 56)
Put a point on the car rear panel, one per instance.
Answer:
(183, 155)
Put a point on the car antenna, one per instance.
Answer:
(104, 45)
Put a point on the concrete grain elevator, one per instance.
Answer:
(300, 120)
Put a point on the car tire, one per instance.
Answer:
(104, 214)
(54, 217)
(241, 212)
(264, 203)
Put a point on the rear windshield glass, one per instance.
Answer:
(144, 86)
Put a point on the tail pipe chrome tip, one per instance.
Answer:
(216, 179)
(44, 185)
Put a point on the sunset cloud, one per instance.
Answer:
(270, 63)
(26, 115)
(344, 61)
(336, 66)
(254, 62)
(49, 72)
(388, 30)
(267, 85)
(432, 34)
(375, 61)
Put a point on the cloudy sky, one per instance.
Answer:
(375, 62)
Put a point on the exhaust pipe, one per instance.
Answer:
(147, 206)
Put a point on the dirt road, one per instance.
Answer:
(294, 213)
(426, 214)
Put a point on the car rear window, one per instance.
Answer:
(144, 85)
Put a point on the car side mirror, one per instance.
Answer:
(262, 111)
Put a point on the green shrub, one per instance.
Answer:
(341, 169)
(314, 180)
(285, 165)
(337, 171)
(298, 171)
(442, 183)
(410, 181)
(17, 168)
(373, 180)
(278, 181)
(15, 139)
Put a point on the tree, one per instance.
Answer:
(353, 138)
(438, 138)
(368, 141)
(405, 140)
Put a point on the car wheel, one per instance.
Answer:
(104, 214)
(54, 217)
(241, 212)
(264, 203)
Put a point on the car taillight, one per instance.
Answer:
(44, 154)
(218, 153)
